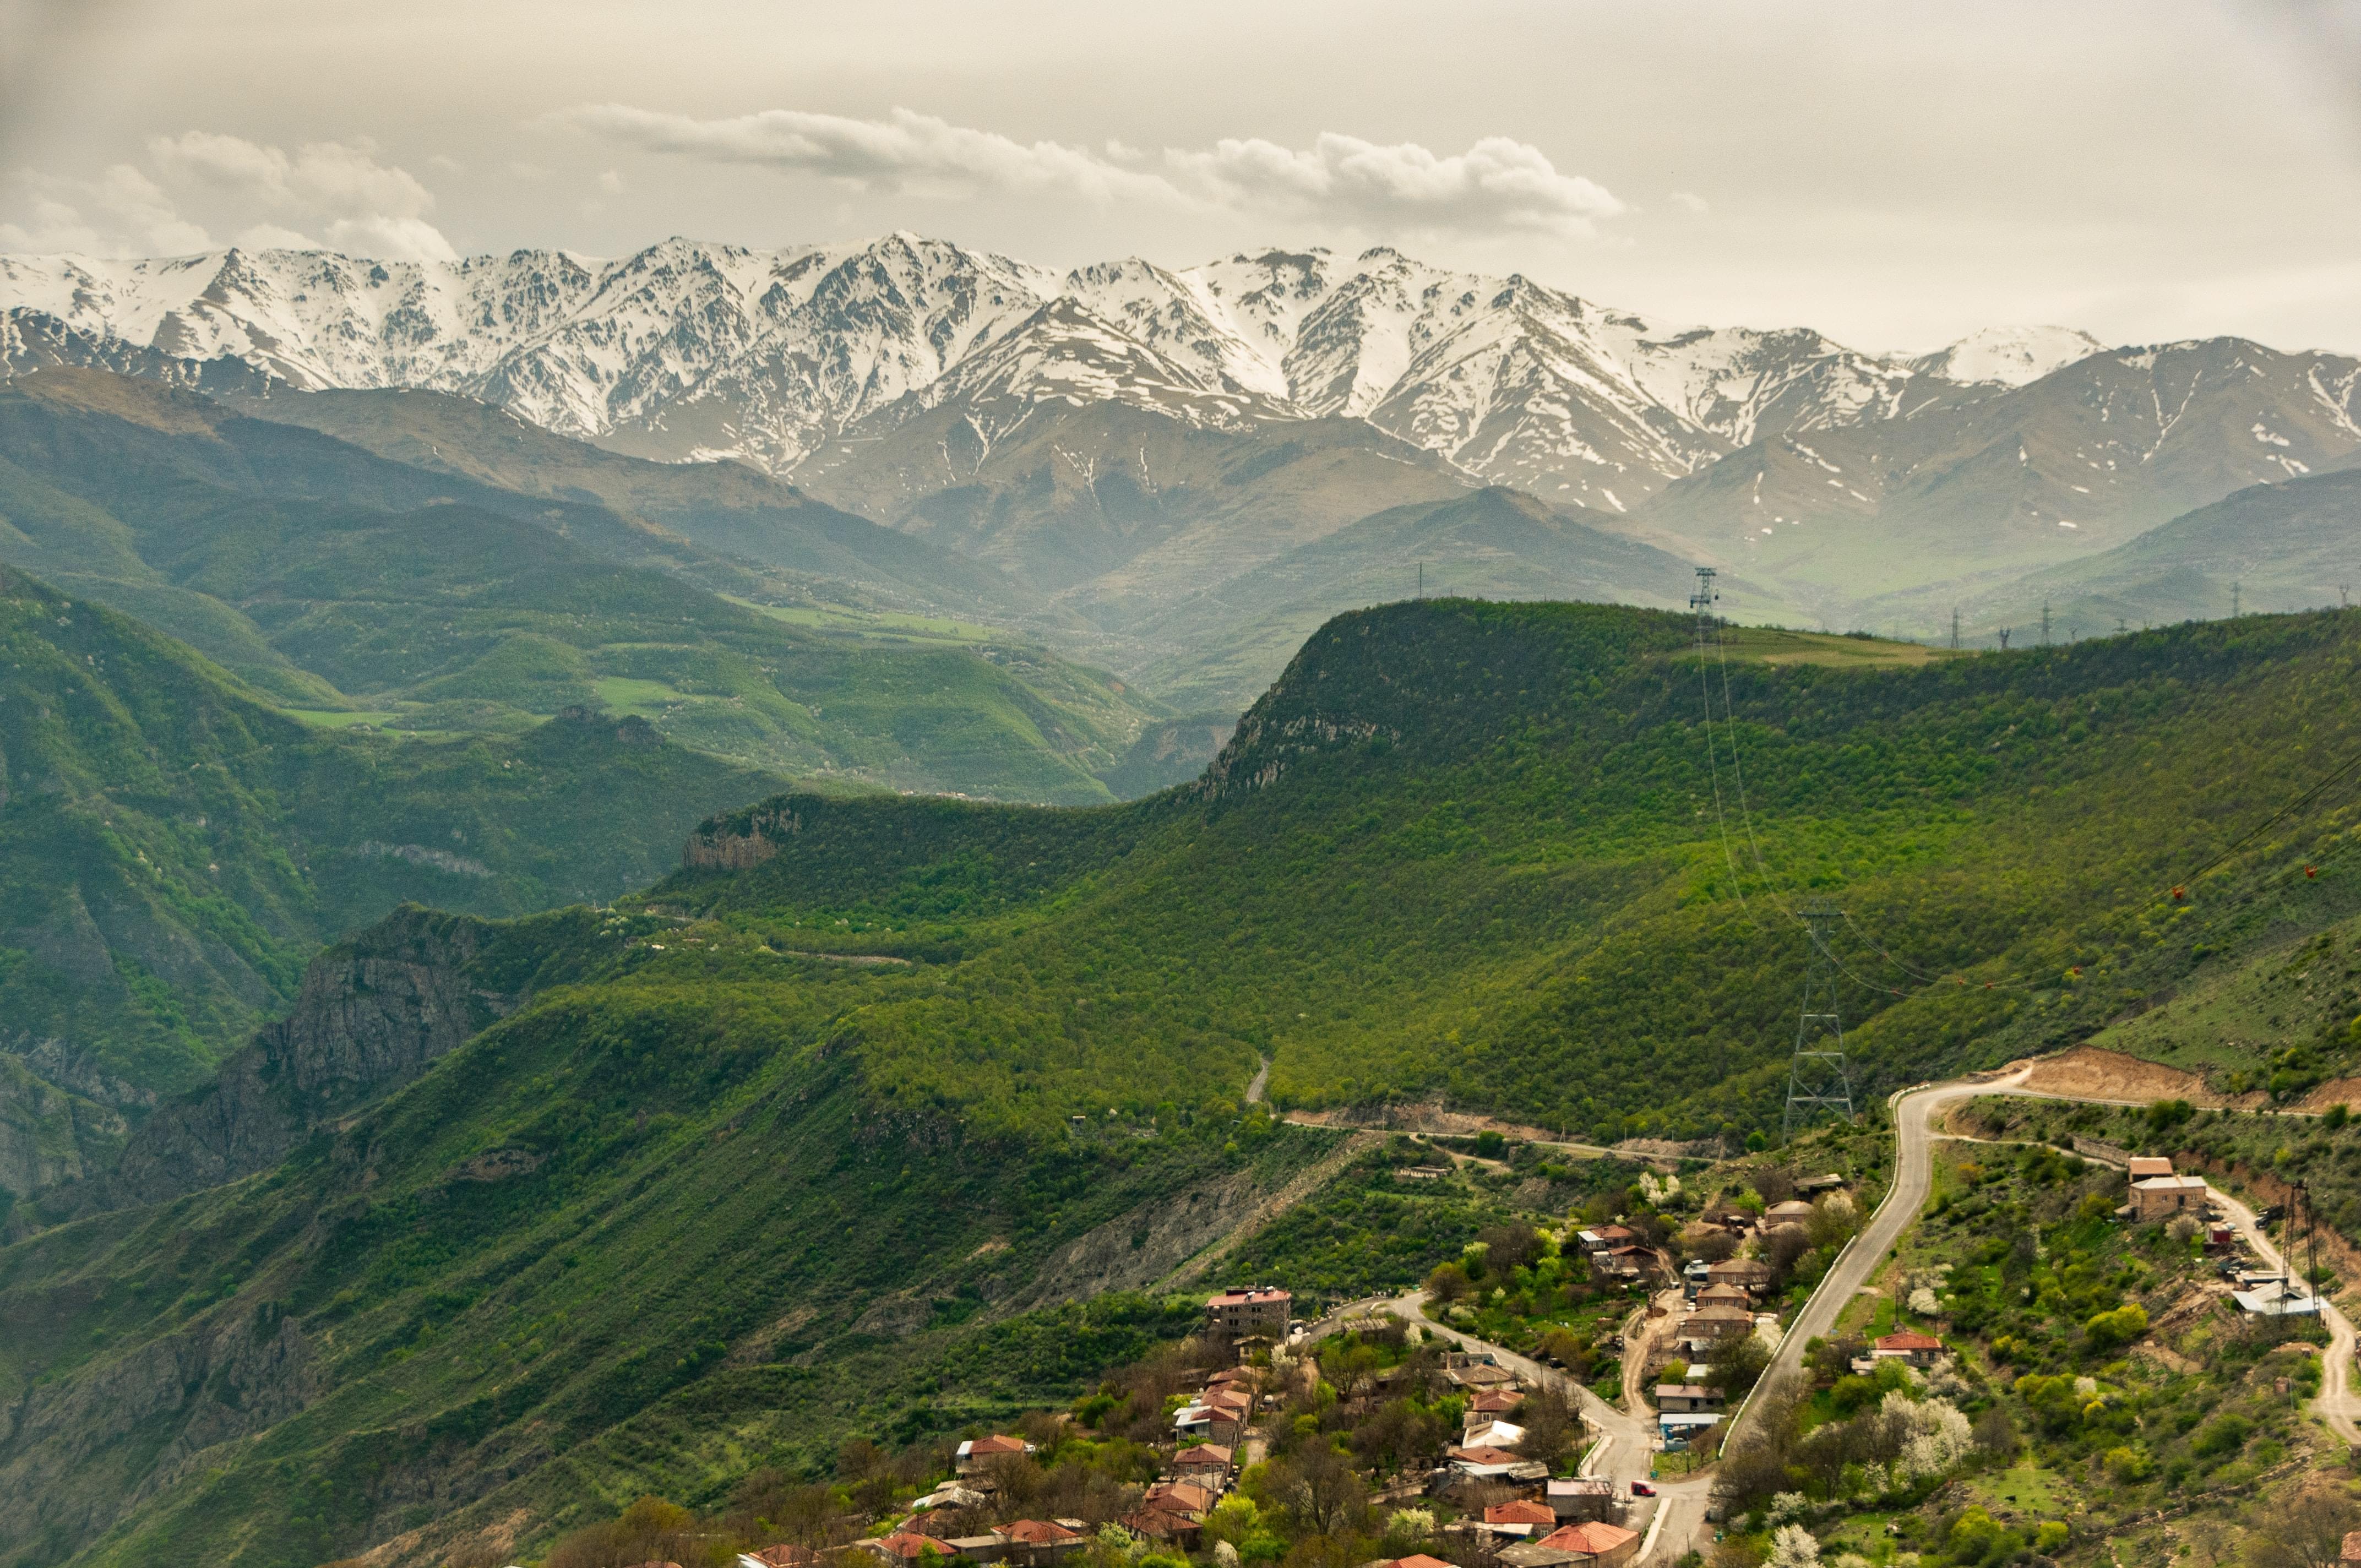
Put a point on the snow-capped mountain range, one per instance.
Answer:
(690, 350)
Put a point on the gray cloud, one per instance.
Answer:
(1497, 183)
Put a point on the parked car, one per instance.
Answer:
(1642, 1489)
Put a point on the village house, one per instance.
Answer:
(1492, 1464)
(786, 1556)
(1794, 1211)
(906, 1546)
(1520, 1519)
(978, 1451)
(1725, 1296)
(1749, 1274)
(1812, 1186)
(1687, 1397)
(1253, 1310)
(1492, 1434)
(1415, 1559)
(950, 1495)
(2139, 1168)
(1594, 1544)
(1709, 1325)
(1482, 1377)
(1496, 1402)
(1577, 1498)
(1605, 1238)
(1208, 1464)
(2161, 1197)
(1915, 1348)
(1625, 1263)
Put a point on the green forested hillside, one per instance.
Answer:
(727, 1196)
(172, 849)
(354, 586)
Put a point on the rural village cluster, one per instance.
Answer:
(1494, 1506)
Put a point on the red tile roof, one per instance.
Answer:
(1484, 1456)
(1595, 1537)
(1524, 1511)
(1037, 1532)
(997, 1444)
(1908, 1339)
(907, 1544)
(1415, 1559)
(1247, 1297)
(787, 1555)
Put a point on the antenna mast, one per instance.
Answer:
(1817, 1079)
(1955, 628)
(2045, 624)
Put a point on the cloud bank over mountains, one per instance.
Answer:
(1499, 183)
(324, 194)
(342, 195)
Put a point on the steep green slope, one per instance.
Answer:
(435, 603)
(172, 849)
(1495, 544)
(644, 1233)
(725, 1194)
(721, 507)
(1474, 850)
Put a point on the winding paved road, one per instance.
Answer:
(1675, 1522)
(1915, 1114)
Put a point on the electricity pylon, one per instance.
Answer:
(1818, 1078)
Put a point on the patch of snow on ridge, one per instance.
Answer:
(2007, 355)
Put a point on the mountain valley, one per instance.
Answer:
(620, 1240)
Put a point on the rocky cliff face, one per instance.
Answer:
(234, 1373)
(373, 1014)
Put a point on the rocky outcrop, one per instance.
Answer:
(174, 1397)
(373, 1014)
(742, 842)
(48, 1133)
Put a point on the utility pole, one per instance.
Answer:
(1816, 1079)
(2120, 626)
(1422, 580)
(1955, 628)
(2234, 600)
(2045, 624)
(2344, 596)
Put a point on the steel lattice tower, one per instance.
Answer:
(1708, 625)
(1818, 1078)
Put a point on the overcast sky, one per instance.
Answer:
(1895, 174)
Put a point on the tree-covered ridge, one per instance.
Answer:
(1473, 848)
(173, 849)
(416, 599)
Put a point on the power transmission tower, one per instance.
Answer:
(1708, 625)
(2004, 637)
(2045, 624)
(1955, 628)
(1816, 1079)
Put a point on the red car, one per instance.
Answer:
(1642, 1489)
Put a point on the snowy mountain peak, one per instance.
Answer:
(2006, 355)
(691, 349)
